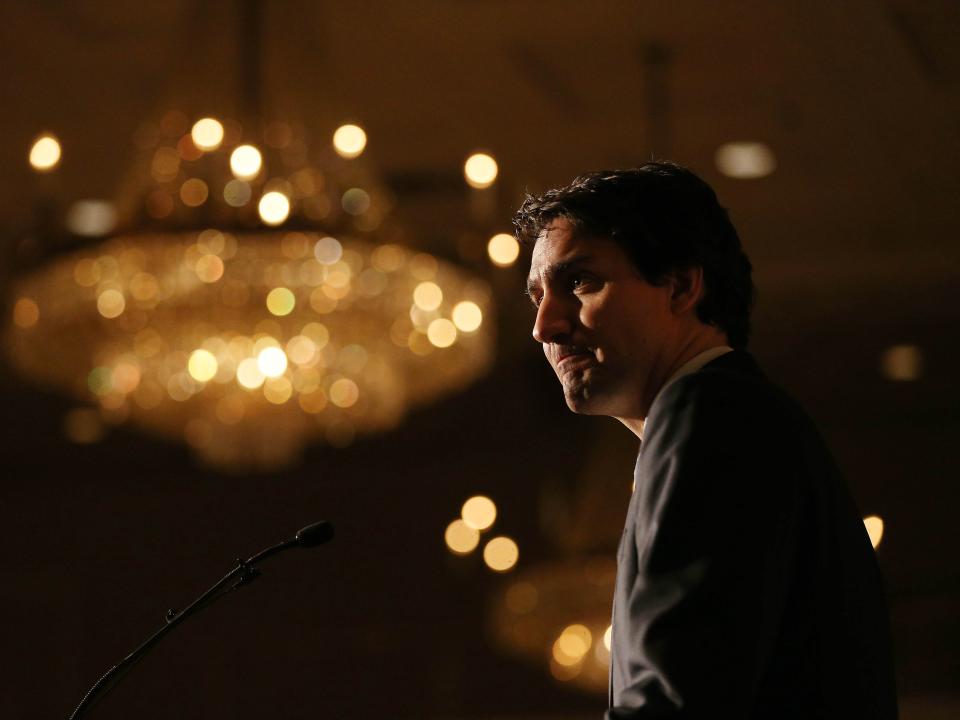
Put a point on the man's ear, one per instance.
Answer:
(686, 289)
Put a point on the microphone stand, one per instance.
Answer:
(245, 572)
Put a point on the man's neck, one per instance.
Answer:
(687, 352)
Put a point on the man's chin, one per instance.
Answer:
(582, 402)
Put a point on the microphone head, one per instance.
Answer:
(316, 534)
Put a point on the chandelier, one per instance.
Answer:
(265, 300)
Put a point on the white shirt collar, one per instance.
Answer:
(691, 366)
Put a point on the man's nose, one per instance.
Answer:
(553, 321)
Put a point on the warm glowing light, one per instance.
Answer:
(480, 170)
(503, 250)
(355, 201)
(479, 512)
(45, 153)
(745, 160)
(428, 296)
(207, 134)
(272, 362)
(442, 333)
(249, 375)
(281, 301)
(209, 268)
(26, 313)
(245, 162)
(607, 636)
(277, 390)
(903, 363)
(86, 272)
(91, 218)
(461, 538)
(574, 642)
(111, 303)
(194, 192)
(236, 193)
(344, 393)
(501, 554)
(274, 207)
(301, 349)
(126, 377)
(202, 365)
(467, 316)
(349, 140)
(328, 250)
(874, 526)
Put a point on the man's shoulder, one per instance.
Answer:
(732, 395)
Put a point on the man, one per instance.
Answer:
(746, 583)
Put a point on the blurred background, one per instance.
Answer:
(254, 275)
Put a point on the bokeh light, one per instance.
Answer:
(461, 538)
(281, 301)
(274, 207)
(349, 140)
(45, 153)
(111, 303)
(467, 316)
(503, 249)
(194, 192)
(480, 170)
(202, 365)
(745, 160)
(902, 363)
(442, 333)
(572, 645)
(874, 525)
(272, 362)
(501, 554)
(207, 134)
(91, 218)
(344, 393)
(245, 162)
(479, 512)
(26, 313)
(249, 374)
(427, 296)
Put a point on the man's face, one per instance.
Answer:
(607, 333)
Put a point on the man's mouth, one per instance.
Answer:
(574, 356)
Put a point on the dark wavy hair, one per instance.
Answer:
(667, 219)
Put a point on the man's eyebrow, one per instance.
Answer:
(558, 269)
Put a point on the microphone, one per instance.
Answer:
(245, 572)
(316, 534)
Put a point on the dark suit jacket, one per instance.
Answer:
(747, 586)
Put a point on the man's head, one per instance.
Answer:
(632, 272)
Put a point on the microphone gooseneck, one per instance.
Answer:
(245, 572)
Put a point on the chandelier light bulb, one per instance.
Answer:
(349, 141)
(503, 250)
(745, 160)
(467, 316)
(274, 208)
(245, 162)
(45, 153)
(480, 170)
(207, 134)
(272, 362)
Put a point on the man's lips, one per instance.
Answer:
(568, 358)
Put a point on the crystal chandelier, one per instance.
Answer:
(265, 300)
